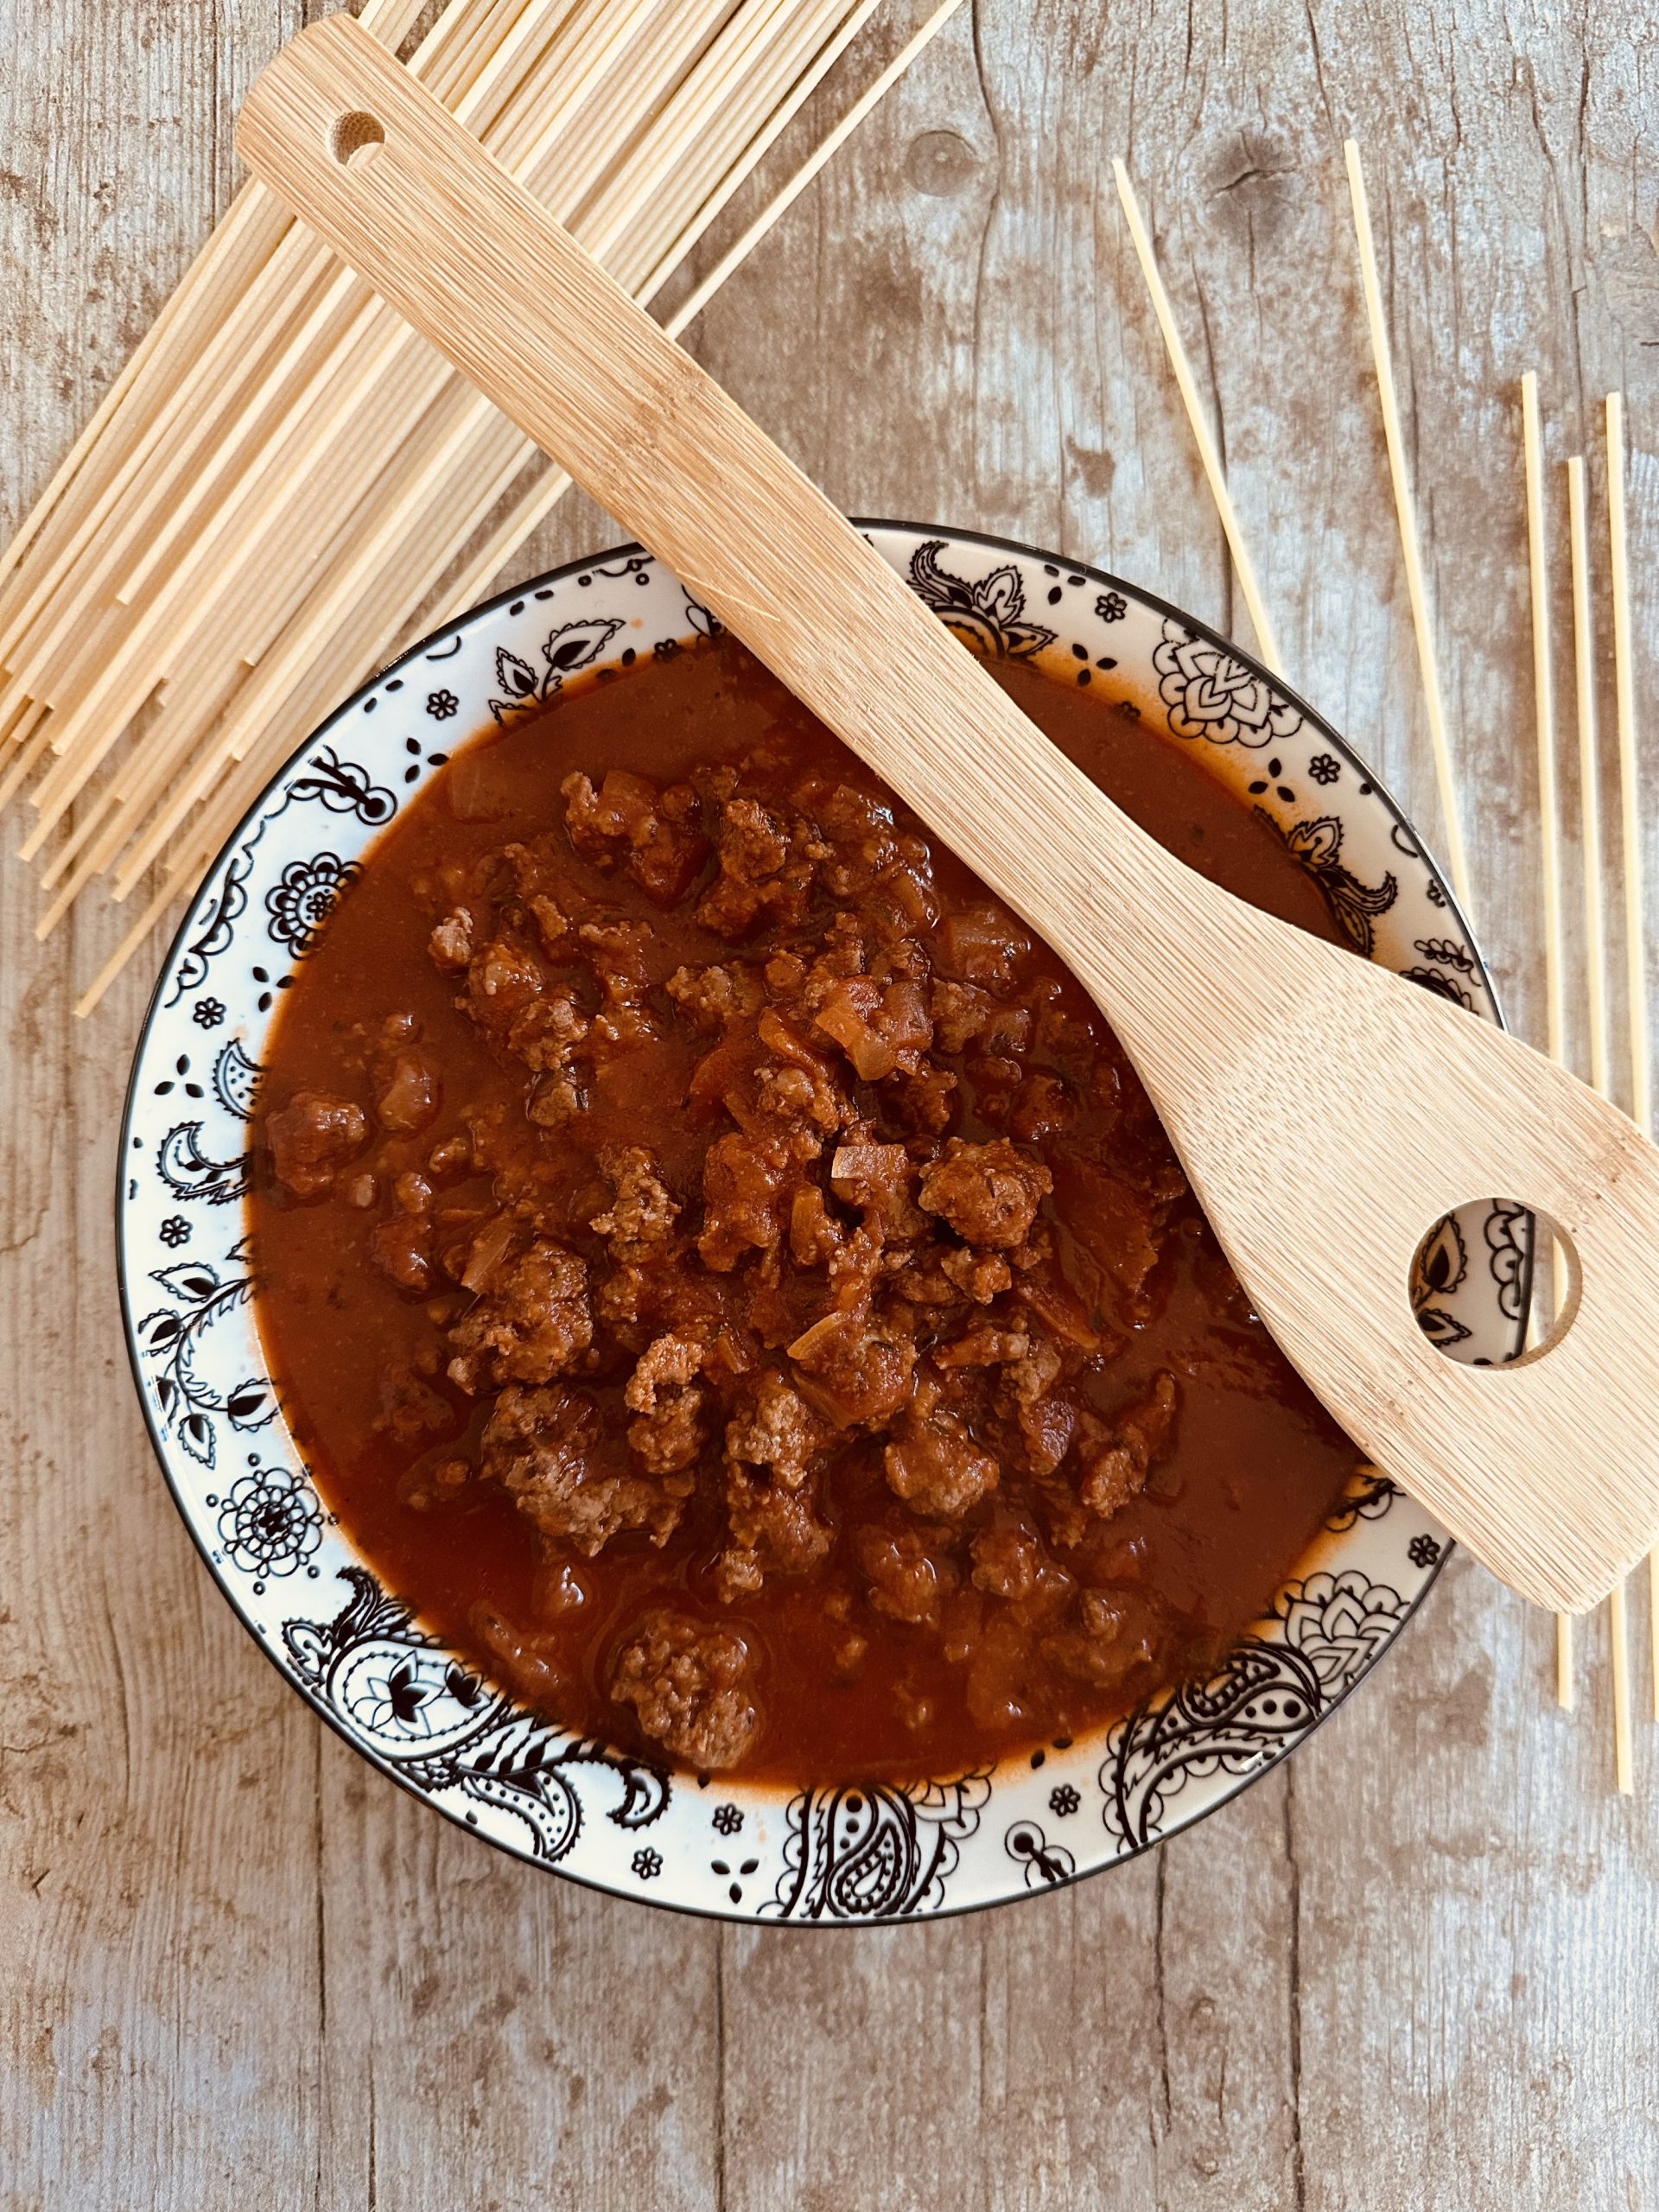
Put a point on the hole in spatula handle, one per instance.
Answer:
(356, 138)
(1524, 1263)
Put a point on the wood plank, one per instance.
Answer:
(145, 1877)
(484, 2020)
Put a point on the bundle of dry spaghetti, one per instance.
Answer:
(283, 477)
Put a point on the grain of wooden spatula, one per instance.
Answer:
(1326, 1112)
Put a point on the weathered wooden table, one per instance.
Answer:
(1418, 1967)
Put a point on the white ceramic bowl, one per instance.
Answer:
(740, 1850)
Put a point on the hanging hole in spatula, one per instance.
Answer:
(356, 137)
(1494, 1254)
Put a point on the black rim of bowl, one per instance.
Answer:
(423, 646)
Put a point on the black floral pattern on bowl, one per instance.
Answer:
(302, 899)
(270, 1523)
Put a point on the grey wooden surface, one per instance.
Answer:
(1417, 1968)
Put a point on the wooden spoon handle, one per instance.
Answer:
(1326, 1112)
(480, 268)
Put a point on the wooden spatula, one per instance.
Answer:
(1326, 1112)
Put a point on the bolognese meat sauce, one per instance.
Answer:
(728, 1277)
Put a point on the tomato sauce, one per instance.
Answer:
(730, 1283)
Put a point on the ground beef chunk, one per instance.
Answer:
(1113, 1638)
(631, 817)
(641, 1216)
(978, 1275)
(539, 1446)
(805, 1106)
(772, 1494)
(718, 995)
(526, 1014)
(989, 1193)
(1042, 1107)
(1044, 1416)
(451, 943)
(401, 1250)
(1006, 1562)
(690, 1685)
(667, 1401)
(984, 1344)
(1117, 1460)
(922, 1100)
(855, 1365)
(412, 1410)
(963, 1014)
(530, 1324)
(934, 1464)
(743, 1185)
(311, 1137)
(908, 1581)
(501, 980)
(878, 1179)
(778, 1430)
(546, 1033)
(752, 845)
(775, 1530)
(407, 1093)
(761, 872)
(619, 953)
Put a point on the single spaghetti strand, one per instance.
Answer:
(1422, 616)
(17, 720)
(1630, 785)
(1267, 645)
(1618, 1630)
(1543, 685)
(1584, 668)
(1595, 932)
(1629, 771)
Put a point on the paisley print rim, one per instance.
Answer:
(815, 1856)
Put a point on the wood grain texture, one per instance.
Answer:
(1414, 1969)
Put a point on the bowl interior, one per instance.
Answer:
(742, 1850)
